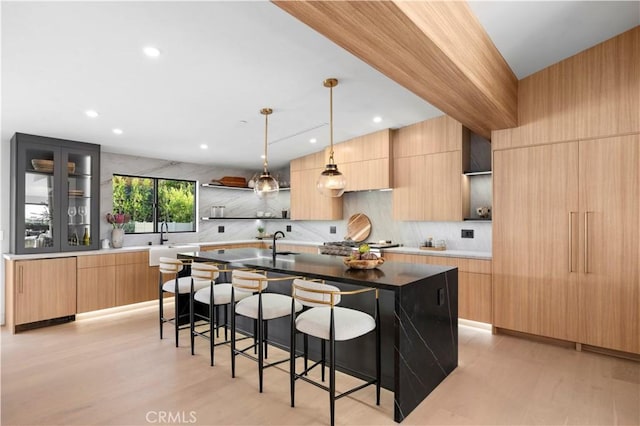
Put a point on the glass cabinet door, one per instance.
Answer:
(78, 178)
(39, 203)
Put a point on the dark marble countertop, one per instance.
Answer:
(390, 275)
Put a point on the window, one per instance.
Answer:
(151, 201)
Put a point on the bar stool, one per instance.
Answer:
(261, 307)
(330, 323)
(213, 295)
(176, 286)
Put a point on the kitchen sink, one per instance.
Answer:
(171, 250)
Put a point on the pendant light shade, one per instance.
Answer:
(331, 182)
(266, 186)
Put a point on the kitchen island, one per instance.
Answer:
(418, 308)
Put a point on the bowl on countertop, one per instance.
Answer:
(363, 264)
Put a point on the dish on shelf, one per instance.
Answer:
(76, 193)
(47, 166)
(363, 264)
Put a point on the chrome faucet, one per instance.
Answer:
(273, 245)
(163, 228)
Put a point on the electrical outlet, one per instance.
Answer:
(221, 229)
(332, 230)
(288, 228)
(467, 233)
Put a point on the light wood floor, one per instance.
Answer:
(114, 370)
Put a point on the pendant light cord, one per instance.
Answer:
(266, 112)
(331, 123)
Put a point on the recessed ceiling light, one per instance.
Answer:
(377, 119)
(313, 140)
(243, 122)
(152, 52)
(262, 156)
(204, 146)
(117, 131)
(91, 113)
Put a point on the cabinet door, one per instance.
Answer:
(609, 290)
(411, 194)
(132, 284)
(307, 203)
(96, 288)
(45, 289)
(535, 240)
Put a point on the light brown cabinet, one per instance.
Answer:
(609, 248)
(593, 94)
(474, 282)
(565, 241)
(96, 276)
(365, 161)
(132, 278)
(40, 290)
(306, 202)
(108, 280)
(428, 161)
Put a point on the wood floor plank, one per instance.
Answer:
(114, 370)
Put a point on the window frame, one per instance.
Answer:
(155, 207)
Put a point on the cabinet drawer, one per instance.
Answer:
(133, 257)
(96, 261)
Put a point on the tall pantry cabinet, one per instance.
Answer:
(566, 241)
(566, 234)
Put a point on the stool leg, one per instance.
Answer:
(161, 307)
(323, 356)
(217, 321)
(378, 367)
(306, 353)
(292, 362)
(332, 379)
(211, 327)
(192, 324)
(226, 338)
(255, 336)
(233, 339)
(260, 354)
(176, 315)
(266, 338)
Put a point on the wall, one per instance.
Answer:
(375, 204)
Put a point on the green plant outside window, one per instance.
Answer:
(151, 201)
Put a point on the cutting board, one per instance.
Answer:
(239, 182)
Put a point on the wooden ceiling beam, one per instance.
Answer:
(436, 49)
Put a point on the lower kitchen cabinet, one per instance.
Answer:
(39, 290)
(108, 280)
(474, 282)
(96, 276)
(132, 282)
(296, 248)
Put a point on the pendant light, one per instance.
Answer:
(331, 182)
(266, 186)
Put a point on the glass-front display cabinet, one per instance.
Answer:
(55, 195)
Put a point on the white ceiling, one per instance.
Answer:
(221, 62)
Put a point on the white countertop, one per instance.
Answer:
(403, 249)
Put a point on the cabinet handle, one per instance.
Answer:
(571, 241)
(586, 242)
(20, 280)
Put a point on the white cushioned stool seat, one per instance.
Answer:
(273, 306)
(349, 323)
(221, 294)
(184, 285)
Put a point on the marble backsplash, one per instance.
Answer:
(377, 205)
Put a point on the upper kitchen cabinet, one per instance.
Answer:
(55, 195)
(365, 161)
(593, 94)
(428, 163)
(306, 202)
